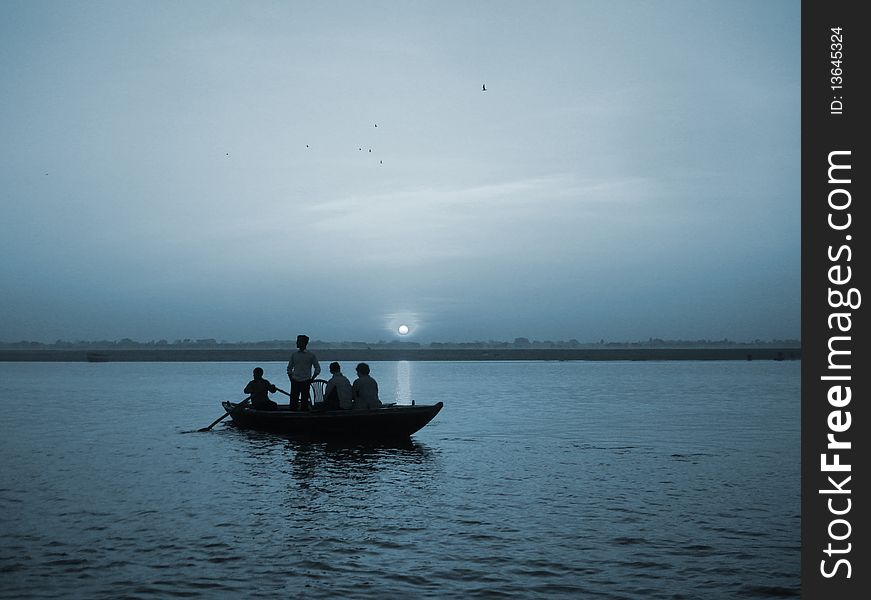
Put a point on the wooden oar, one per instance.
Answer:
(224, 416)
(285, 393)
(289, 396)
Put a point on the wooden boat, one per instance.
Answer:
(387, 422)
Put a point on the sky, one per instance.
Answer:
(253, 170)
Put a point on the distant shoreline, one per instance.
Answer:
(410, 354)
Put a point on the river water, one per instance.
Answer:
(537, 480)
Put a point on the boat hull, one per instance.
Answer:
(381, 423)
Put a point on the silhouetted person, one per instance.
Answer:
(259, 389)
(338, 394)
(299, 371)
(365, 389)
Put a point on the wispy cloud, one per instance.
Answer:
(422, 224)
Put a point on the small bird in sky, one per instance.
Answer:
(484, 88)
(376, 124)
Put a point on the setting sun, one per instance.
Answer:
(403, 329)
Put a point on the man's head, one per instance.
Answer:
(335, 368)
(362, 369)
(301, 341)
(258, 373)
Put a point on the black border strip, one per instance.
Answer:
(834, 121)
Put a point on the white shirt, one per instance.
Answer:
(366, 392)
(301, 364)
(343, 390)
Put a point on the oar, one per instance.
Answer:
(224, 416)
(283, 392)
(289, 396)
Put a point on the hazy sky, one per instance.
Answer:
(203, 170)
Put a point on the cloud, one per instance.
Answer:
(418, 225)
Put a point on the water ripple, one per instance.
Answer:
(608, 492)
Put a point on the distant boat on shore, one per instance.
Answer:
(97, 357)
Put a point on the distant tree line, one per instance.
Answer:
(520, 342)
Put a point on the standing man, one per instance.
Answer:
(299, 371)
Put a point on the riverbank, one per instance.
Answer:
(411, 354)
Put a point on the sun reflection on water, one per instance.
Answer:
(403, 382)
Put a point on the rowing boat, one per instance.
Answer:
(387, 422)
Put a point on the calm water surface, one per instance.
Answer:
(537, 480)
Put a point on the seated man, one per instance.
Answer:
(259, 389)
(365, 389)
(338, 393)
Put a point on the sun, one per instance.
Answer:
(403, 330)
